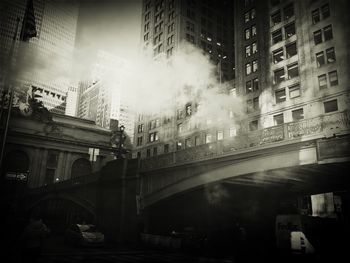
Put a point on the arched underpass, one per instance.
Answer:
(254, 200)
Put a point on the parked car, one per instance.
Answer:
(84, 235)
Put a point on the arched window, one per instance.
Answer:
(80, 167)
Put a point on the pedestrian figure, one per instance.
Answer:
(32, 239)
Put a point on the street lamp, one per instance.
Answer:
(121, 139)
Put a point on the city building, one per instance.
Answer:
(291, 63)
(41, 152)
(101, 97)
(291, 60)
(45, 61)
(167, 26)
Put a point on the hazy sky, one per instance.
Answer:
(110, 25)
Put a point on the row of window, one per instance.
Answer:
(286, 52)
(323, 35)
(250, 32)
(251, 49)
(320, 13)
(329, 106)
(327, 56)
(251, 67)
(293, 92)
(292, 71)
(289, 30)
(287, 13)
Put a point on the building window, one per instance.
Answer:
(246, 17)
(179, 128)
(276, 36)
(253, 125)
(294, 91)
(328, 33)
(190, 38)
(146, 27)
(291, 50)
(170, 40)
(325, 11)
(253, 30)
(248, 87)
(320, 59)
(148, 154)
(318, 37)
(280, 95)
(333, 78)
(330, 54)
(166, 148)
(330, 106)
(208, 138)
(276, 18)
(232, 132)
(289, 30)
(171, 15)
(278, 119)
(247, 33)
(254, 47)
(298, 114)
(256, 103)
(322, 81)
(316, 16)
(292, 70)
(278, 75)
(145, 37)
(247, 51)
(255, 84)
(288, 11)
(178, 145)
(277, 55)
(169, 52)
(197, 141)
(248, 69)
(252, 14)
(220, 135)
(249, 106)
(140, 128)
(139, 141)
(155, 151)
(255, 65)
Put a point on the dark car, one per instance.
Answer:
(84, 235)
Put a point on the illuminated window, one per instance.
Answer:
(255, 65)
(247, 33)
(248, 69)
(255, 84)
(232, 132)
(208, 138)
(253, 30)
(330, 54)
(254, 47)
(289, 30)
(277, 55)
(248, 86)
(220, 135)
(247, 51)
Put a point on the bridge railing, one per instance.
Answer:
(317, 127)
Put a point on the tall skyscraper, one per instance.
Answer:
(101, 98)
(46, 60)
(168, 25)
(291, 62)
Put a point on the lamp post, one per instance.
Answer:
(120, 144)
